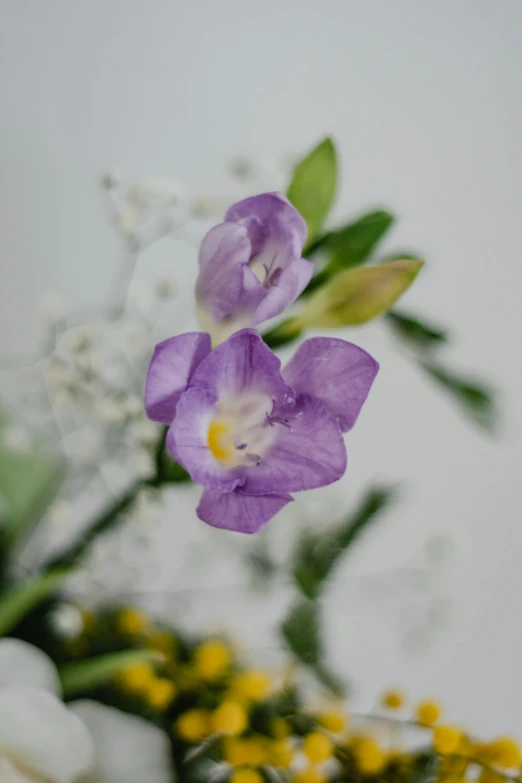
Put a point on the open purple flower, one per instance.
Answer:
(249, 432)
(250, 266)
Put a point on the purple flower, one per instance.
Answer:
(250, 266)
(249, 432)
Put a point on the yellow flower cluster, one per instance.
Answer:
(223, 701)
(141, 679)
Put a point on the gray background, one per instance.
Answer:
(423, 99)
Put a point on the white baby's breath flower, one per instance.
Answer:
(16, 439)
(109, 410)
(88, 362)
(62, 383)
(82, 340)
(55, 306)
(67, 620)
(126, 221)
(133, 406)
(133, 338)
(142, 464)
(145, 432)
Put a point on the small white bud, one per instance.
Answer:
(67, 621)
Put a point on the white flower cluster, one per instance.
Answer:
(85, 389)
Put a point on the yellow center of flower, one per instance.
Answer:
(221, 439)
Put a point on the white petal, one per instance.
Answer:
(39, 733)
(23, 664)
(128, 749)
(10, 774)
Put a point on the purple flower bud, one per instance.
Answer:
(250, 266)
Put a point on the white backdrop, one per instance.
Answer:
(423, 100)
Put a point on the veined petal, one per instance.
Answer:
(240, 364)
(308, 452)
(172, 365)
(187, 441)
(39, 733)
(335, 371)
(24, 664)
(292, 281)
(238, 512)
(223, 251)
(264, 208)
(128, 749)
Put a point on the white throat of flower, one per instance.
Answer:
(242, 431)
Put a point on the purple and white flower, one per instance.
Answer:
(248, 431)
(250, 266)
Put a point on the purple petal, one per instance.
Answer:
(252, 294)
(242, 363)
(187, 441)
(292, 281)
(242, 513)
(171, 367)
(223, 251)
(263, 209)
(335, 371)
(308, 452)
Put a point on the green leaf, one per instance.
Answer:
(475, 399)
(318, 554)
(313, 185)
(417, 333)
(29, 477)
(283, 334)
(83, 676)
(349, 246)
(19, 600)
(330, 680)
(356, 296)
(352, 245)
(301, 632)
